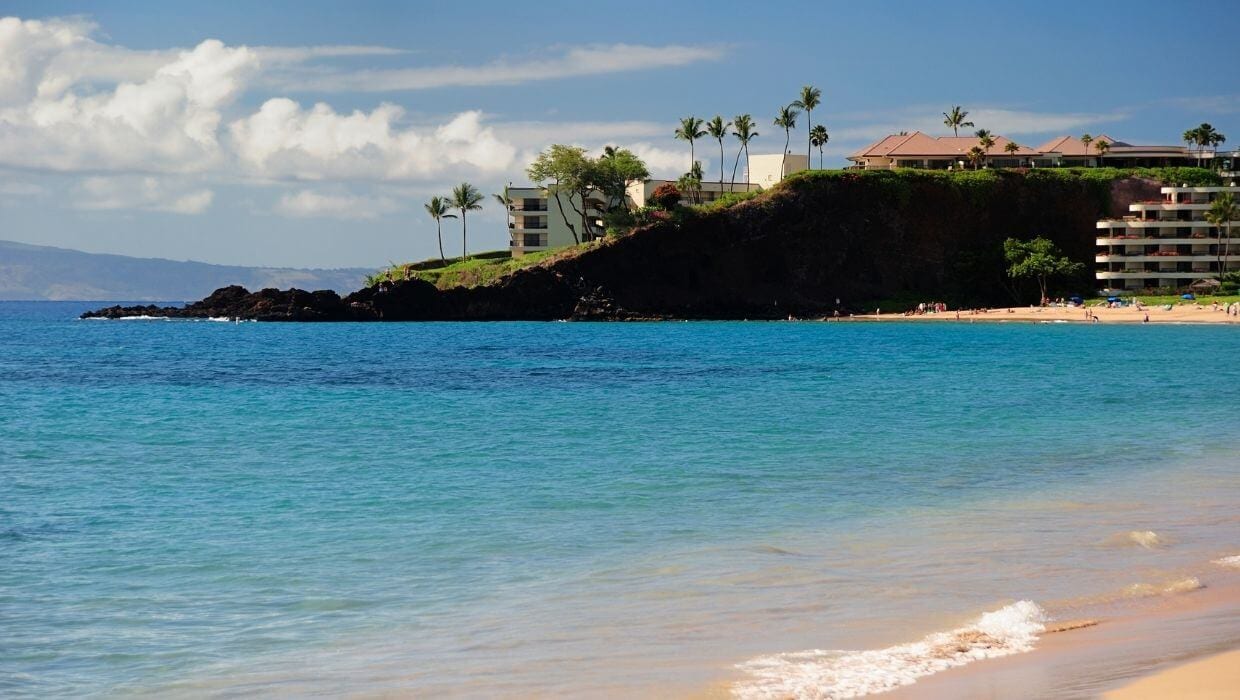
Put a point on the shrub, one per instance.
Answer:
(665, 196)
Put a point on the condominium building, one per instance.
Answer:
(535, 221)
(1164, 243)
(919, 150)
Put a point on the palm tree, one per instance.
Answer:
(975, 156)
(690, 130)
(438, 208)
(1202, 136)
(787, 120)
(718, 128)
(743, 123)
(956, 119)
(1223, 211)
(1012, 148)
(818, 137)
(810, 98)
(1087, 139)
(467, 198)
(986, 140)
(1101, 146)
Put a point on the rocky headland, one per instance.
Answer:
(791, 251)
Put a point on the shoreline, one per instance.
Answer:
(1184, 646)
(1180, 314)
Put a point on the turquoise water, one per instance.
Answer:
(547, 508)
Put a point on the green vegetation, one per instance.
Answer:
(465, 198)
(569, 170)
(1203, 136)
(1222, 212)
(744, 132)
(1039, 259)
(810, 98)
(718, 129)
(690, 130)
(438, 209)
(956, 119)
(787, 120)
(473, 271)
(818, 137)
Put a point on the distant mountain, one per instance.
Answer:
(32, 272)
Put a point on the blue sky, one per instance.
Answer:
(310, 133)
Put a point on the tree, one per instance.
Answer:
(1101, 146)
(1087, 139)
(1011, 148)
(613, 172)
(665, 196)
(818, 137)
(691, 183)
(1223, 210)
(1202, 136)
(466, 198)
(438, 208)
(986, 140)
(810, 98)
(718, 129)
(565, 169)
(956, 119)
(786, 120)
(1039, 259)
(975, 156)
(744, 133)
(690, 130)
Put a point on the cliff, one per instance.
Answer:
(794, 250)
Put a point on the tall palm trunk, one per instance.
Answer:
(809, 140)
(439, 234)
(783, 159)
(464, 247)
(736, 164)
(720, 165)
(748, 177)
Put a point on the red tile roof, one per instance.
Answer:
(920, 145)
(1071, 145)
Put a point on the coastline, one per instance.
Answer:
(1184, 646)
(1178, 314)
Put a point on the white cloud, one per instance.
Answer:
(284, 141)
(575, 62)
(147, 193)
(311, 204)
(166, 123)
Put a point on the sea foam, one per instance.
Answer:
(822, 674)
(1232, 561)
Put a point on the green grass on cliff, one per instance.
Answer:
(473, 271)
(979, 181)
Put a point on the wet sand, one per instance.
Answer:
(1180, 313)
(1116, 657)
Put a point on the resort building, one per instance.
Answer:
(1165, 243)
(918, 150)
(535, 222)
(765, 170)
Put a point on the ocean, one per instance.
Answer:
(194, 508)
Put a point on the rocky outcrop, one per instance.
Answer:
(819, 242)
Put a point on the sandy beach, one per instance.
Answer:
(1179, 313)
(1213, 678)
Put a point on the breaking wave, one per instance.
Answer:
(824, 674)
(1144, 590)
(1232, 561)
(1147, 539)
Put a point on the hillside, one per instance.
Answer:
(794, 250)
(30, 272)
